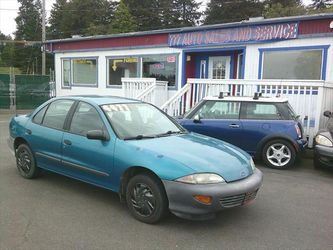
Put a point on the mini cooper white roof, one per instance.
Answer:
(246, 99)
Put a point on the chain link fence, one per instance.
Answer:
(24, 92)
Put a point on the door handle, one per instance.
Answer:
(234, 126)
(67, 142)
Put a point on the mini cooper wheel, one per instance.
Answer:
(25, 162)
(146, 199)
(279, 154)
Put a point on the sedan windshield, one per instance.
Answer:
(139, 120)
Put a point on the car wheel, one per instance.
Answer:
(25, 162)
(146, 198)
(279, 154)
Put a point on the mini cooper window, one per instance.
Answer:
(261, 111)
(56, 113)
(38, 118)
(85, 118)
(219, 110)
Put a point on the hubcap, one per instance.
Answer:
(23, 161)
(143, 200)
(278, 154)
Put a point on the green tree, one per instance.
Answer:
(28, 27)
(146, 13)
(80, 17)
(188, 12)
(6, 51)
(278, 10)
(224, 11)
(56, 23)
(321, 4)
(123, 21)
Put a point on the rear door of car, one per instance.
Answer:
(83, 158)
(218, 119)
(258, 119)
(45, 133)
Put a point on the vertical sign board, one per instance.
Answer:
(248, 34)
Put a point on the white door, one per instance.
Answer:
(219, 67)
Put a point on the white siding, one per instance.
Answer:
(252, 54)
(102, 70)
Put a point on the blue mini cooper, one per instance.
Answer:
(133, 148)
(266, 128)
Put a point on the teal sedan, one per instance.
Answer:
(136, 150)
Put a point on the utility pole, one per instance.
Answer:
(43, 37)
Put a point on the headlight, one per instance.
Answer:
(253, 166)
(204, 178)
(323, 140)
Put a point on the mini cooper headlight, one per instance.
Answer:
(323, 140)
(253, 166)
(203, 178)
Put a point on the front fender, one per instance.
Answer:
(268, 138)
(127, 155)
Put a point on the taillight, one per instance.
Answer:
(298, 131)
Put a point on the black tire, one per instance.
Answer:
(278, 154)
(146, 198)
(25, 162)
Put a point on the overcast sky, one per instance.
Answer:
(9, 8)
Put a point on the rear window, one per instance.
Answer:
(260, 111)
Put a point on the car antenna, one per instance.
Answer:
(221, 95)
(257, 95)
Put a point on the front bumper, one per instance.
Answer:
(302, 144)
(224, 195)
(324, 155)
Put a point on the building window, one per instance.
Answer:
(84, 71)
(121, 67)
(293, 64)
(66, 73)
(161, 67)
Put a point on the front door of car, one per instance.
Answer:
(218, 119)
(87, 159)
(45, 133)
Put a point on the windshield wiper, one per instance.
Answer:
(170, 133)
(139, 137)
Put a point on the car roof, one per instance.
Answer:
(247, 99)
(100, 99)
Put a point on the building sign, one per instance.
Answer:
(248, 34)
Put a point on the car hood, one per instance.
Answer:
(201, 153)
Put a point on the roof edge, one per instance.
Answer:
(197, 28)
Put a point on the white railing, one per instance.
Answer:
(156, 94)
(132, 87)
(308, 98)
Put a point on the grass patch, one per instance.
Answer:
(6, 70)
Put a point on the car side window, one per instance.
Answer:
(85, 118)
(38, 118)
(56, 113)
(261, 111)
(219, 110)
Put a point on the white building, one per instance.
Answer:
(291, 56)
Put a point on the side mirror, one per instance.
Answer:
(328, 113)
(97, 135)
(196, 119)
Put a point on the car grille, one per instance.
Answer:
(237, 200)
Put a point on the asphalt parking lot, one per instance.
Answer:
(294, 209)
